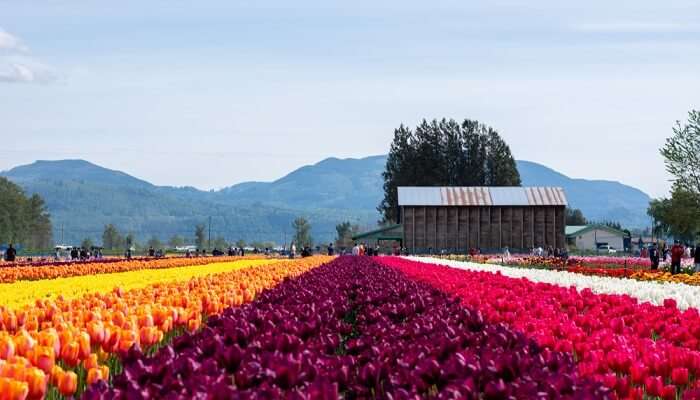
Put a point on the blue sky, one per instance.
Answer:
(213, 93)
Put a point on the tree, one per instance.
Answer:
(86, 244)
(199, 236)
(302, 232)
(682, 154)
(445, 153)
(154, 242)
(23, 220)
(176, 241)
(345, 232)
(130, 241)
(678, 216)
(574, 216)
(111, 238)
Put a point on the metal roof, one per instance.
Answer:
(481, 196)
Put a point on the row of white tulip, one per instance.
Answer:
(686, 296)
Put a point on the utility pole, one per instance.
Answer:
(209, 241)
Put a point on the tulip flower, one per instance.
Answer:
(67, 383)
(679, 376)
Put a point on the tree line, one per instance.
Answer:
(24, 219)
(445, 153)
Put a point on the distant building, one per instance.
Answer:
(456, 219)
(593, 237)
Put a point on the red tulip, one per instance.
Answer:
(679, 376)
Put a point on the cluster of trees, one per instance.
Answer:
(112, 239)
(445, 153)
(23, 220)
(679, 215)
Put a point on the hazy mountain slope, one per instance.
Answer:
(599, 200)
(83, 197)
(354, 184)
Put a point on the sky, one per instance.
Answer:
(212, 93)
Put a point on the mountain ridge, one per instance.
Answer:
(82, 197)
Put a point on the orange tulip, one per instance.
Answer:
(24, 342)
(96, 330)
(7, 347)
(84, 345)
(128, 339)
(91, 362)
(148, 335)
(68, 383)
(70, 353)
(193, 324)
(36, 381)
(94, 375)
(146, 320)
(43, 358)
(11, 389)
(55, 375)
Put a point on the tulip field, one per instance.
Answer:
(348, 328)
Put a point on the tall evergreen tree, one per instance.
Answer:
(199, 236)
(302, 232)
(445, 153)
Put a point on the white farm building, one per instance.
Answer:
(592, 237)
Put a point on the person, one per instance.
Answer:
(676, 255)
(83, 254)
(331, 250)
(506, 252)
(356, 250)
(376, 250)
(654, 257)
(128, 253)
(10, 254)
(73, 253)
(664, 252)
(188, 253)
(293, 250)
(696, 257)
(151, 251)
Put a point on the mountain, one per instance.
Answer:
(599, 200)
(83, 197)
(353, 184)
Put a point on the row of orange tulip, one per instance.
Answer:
(87, 331)
(21, 273)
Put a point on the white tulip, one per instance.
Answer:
(686, 296)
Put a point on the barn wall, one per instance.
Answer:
(458, 229)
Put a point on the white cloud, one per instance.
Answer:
(17, 66)
(11, 43)
(25, 71)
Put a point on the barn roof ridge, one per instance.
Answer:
(481, 196)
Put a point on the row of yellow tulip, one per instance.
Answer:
(61, 270)
(85, 331)
(22, 293)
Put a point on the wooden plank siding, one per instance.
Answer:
(456, 229)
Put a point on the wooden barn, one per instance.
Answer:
(456, 219)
